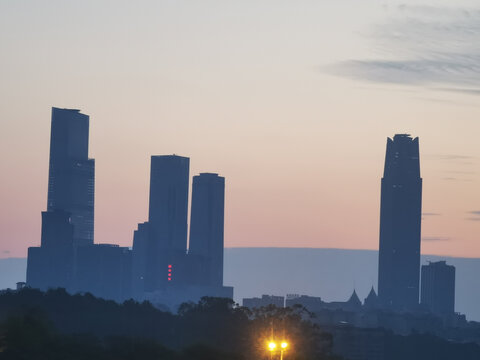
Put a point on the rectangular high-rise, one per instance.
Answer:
(438, 287)
(400, 225)
(51, 264)
(206, 228)
(71, 178)
(168, 211)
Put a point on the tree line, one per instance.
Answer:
(57, 325)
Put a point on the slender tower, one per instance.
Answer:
(71, 177)
(400, 222)
(206, 227)
(167, 221)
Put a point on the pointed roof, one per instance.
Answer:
(371, 301)
(372, 294)
(354, 300)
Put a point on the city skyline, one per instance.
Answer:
(158, 266)
(253, 91)
(209, 179)
(164, 268)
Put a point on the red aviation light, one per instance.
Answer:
(169, 272)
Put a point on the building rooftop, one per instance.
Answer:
(65, 109)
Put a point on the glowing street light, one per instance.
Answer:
(271, 346)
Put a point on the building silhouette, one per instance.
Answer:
(158, 267)
(52, 264)
(265, 300)
(104, 270)
(352, 304)
(438, 287)
(173, 275)
(312, 303)
(139, 259)
(68, 221)
(71, 177)
(167, 219)
(400, 218)
(206, 229)
(371, 301)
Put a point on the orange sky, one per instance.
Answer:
(282, 98)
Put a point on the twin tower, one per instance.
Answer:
(158, 267)
(162, 241)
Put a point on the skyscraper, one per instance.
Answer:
(438, 287)
(168, 210)
(206, 227)
(71, 178)
(68, 221)
(400, 222)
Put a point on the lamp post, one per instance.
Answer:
(283, 347)
(271, 347)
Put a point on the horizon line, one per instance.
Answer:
(301, 247)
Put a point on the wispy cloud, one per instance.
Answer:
(426, 215)
(445, 101)
(461, 90)
(460, 172)
(475, 217)
(436, 238)
(464, 159)
(429, 46)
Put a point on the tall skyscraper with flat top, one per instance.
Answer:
(168, 210)
(400, 222)
(206, 227)
(71, 178)
(68, 221)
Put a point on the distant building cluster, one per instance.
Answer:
(265, 300)
(158, 267)
(366, 315)
(311, 303)
(399, 256)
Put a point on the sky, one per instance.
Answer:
(291, 101)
